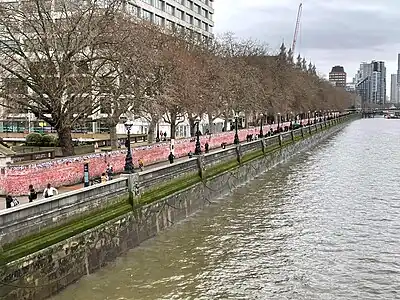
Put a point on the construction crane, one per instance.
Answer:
(296, 30)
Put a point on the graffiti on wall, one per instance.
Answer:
(68, 171)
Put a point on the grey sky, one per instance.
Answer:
(333, 32)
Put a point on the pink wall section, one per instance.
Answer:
(69, 170)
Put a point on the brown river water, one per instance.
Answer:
(326, 225)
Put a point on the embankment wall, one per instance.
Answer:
(43, 273)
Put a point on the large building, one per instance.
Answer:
(337, 76)
(371, 82)
(394, 90)
(194, 16)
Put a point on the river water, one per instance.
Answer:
(326, 225)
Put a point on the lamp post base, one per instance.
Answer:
(129, 168)
(236, 140)
(197, 149)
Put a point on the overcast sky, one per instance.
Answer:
(332, 32)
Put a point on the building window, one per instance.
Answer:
(148, 1)
(159, 4)
(197, 9)
(179, 28)
(179, 14)
(189, 4)
(204, 26)
(189, 19)
(169, 24)
(146, 15)
(204, 13)
(158, 20)
(197, 22)
(169, 9)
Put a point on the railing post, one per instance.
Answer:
(200, 165)
(133, 188)
(292, 134)
(302, 133)
(239, 153)
(263, 144)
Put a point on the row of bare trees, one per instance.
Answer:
(67, 61)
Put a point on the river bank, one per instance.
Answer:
(330, 233)
(86, 252)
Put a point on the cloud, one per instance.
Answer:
(344, 32)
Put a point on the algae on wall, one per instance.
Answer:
(52, 236)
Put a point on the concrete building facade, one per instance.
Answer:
(338, 76)
(371, 82)
(394, 89)
(193, 16)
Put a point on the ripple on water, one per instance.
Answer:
(324, 226)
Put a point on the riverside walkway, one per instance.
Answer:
(64, 189)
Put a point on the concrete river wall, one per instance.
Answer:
(47, 245)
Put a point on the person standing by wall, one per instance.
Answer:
(171, 158)
(9, 201)
(49, 191)
(32, 193)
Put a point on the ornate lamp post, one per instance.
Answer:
(158, 133)
(308, 117)
(197, 150)
(261, 126)
(315, 117)
(129, 168)
(236, 139)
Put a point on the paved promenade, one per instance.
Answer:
(64, 189)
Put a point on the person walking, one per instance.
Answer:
(109, 171)
(9, 201)
(171, 158)
(141, 164)
(49, 191)
(32, 193)
(103, 178)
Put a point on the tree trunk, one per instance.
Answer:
(152, 128)
(113, 136)
(226, 124)
(173, 125)
(210, 123)
(65, 140)
(246, 120)
(192, 125)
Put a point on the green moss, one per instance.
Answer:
(54, 235)
(221, 168)
(169, 188)
(47, 231)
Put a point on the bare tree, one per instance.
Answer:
(53, 53)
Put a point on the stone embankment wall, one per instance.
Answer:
(45, 272)
(15, 179)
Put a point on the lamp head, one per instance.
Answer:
(128, 125)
